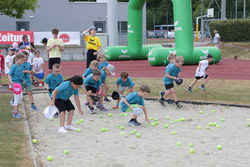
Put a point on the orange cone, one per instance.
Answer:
(40, 84)
(10, 88)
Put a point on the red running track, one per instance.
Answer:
(226, 69)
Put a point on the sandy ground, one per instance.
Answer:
(155, 147)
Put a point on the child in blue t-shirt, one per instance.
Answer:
(102, 61)
(61, 99)
(172, 72)
(136, 98)
(171, 58)
(54, 79)
(91, 84)
(27, 70)
(122, 83)
(93, 65)
(16, 75)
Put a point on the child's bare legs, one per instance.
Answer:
(89, 98)
(105, 90)
(70, 117)
(205, 81)
(193, 83)
(178, 105)
(31, 97)
(62, 118)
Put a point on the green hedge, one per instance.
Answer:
(232, 30)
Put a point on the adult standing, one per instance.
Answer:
(54, 47)
(216, 39)
(93, 44)
(27, 44)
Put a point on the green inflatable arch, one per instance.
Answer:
(156, 54)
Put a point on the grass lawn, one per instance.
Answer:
(13, 141)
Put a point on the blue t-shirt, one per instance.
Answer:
(66, 91)
(173, 71)
(102, 65)
(26, 66)
(128, 83)
(88, 81)
(87, 72)
(132, 98)
(16, 74)
(53, 81)
(103, 76)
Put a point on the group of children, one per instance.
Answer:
(93, 83)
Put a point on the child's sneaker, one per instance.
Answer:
(56, 115)
(17, 115)
(87, 103)
(33, 107)
(12, 102)
(161, 93)
(203, 88)
(189, 90)
(102, 108)
(106, 99)
(133, 123)
(178, 105)
(169, 101)
(91, 110)
(98, 105)
(70, 128)
(62, 130)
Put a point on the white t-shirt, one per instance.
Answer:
(216, 36)
(31, 57)
(203, 68)
(37, 62)
(9, 61)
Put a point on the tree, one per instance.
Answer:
(17, 8)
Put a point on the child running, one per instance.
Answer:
(201, 73)
(171, 73)
(60, 98)
(91, 84)
(1, 66)
(27, 70)
(16, 75)
(8, 63)
(102, 61)
(122, 83)
(38, 68)
(171, 58)
(136, 98)
(93, 65)
(110, 69)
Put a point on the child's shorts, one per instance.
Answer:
(199, 77)
(39, 75)
(27, 87)
(122, 88)
(169, 86)
(18, 99)
(64, 105)
(93, 89)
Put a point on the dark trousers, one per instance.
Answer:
(90, 56)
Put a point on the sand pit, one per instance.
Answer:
(156, 146)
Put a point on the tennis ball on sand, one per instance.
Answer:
(167, 117)
(222, 120)
(219, 147)
(191, 151)
(210, 124)
(153, 124)
(100, 116)
(166, 125)
(81, 120)
(103, 130)
(117, 125)
(110, 115)
(178, 143)
(174, 132)
(122, 133)
(79, 130)
(182, 119)
(190, 145)
(215, 123)
(248, 124)
(217, 126)
(49, 158)
(34, 141)
(77, 122)
(122, 114)
(171, 122)
(131, 132)
(138, 135)
(155, 119)
(198, 127)
(134, 131)
(201, 112)
(66, 152)
(207, 127)
(146, 123)
(122, 127)
(125, 115)
(51, 119)
(156, 123)
(58, 122)
(106, 129)
(214, 111)
(151, 118)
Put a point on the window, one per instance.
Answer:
(122, 27)
(100, 26)
(22, 26)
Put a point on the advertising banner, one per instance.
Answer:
(8, 37)
(69, 38)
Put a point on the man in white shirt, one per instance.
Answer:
(201, 73)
